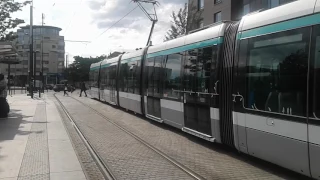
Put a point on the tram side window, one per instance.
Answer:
(277, 67)
(124, 74)
(149, 79)
(137, 76)
(130, 78)
(106, 75)
(112, 77)
(158, 76)
(204, 69)
(172, 75)
(104, 78)
(133, 86)
(316, 85)
(94, 78)
(190, 70)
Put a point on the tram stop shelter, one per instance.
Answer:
(8, 56)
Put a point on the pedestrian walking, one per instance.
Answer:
(4, 106)
(72, 88)
(65, 89)
(83, 88)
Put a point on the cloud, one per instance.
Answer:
(92, 17)
(96, 5)
(112, 11)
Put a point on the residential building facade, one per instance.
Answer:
(52, 51)
(211, 11)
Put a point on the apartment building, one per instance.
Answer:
(52, 51)
(205, 12)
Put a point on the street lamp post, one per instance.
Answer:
(41, 74)
(31, 52)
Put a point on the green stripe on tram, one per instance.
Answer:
(282, 26)
(130, 59)
(110, 64)
(201, 44)
(94, 68)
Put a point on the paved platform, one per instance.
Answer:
(34, 143)
(129, 160)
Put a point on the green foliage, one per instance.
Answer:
(79, 69)
(187, 19)
(178, 24)
(7, 23)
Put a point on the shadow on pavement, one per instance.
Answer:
(15, 125)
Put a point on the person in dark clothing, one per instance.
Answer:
(4, 106)
(72, 88)
(65, 90)
(83, 88)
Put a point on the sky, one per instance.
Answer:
(86, 20)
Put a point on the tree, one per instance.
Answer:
(187, 19)
(79, 69)
(7, 23)
(178, 24)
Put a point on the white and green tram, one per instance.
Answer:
(253, 85)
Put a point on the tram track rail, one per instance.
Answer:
(180, 166)
(104, 169)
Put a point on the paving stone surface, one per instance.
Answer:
(211, 161)
(126, 157)
(35, 162)
(35, 177)
(90, 167)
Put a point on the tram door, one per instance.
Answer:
(154, 68)
(196, 90)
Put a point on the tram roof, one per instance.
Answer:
(110, 61)
(133, 54)
(93, 65)
(210, 33)
(296, 9)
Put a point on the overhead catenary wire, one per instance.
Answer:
(74, 13)
(109, 28)
(114, 24)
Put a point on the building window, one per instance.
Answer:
(53, 46)
(38, 45)
(46, 38)
(200, 4)
(217, 1)
(201, 24)
(60, 55)
(60, 47)
(246, 9)
(217, 17)
(273, 3)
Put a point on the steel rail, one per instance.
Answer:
(105, 170)
(162, 154)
